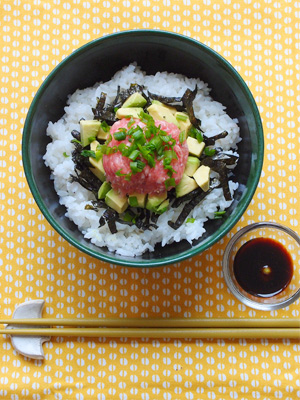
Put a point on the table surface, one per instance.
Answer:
(261, 40)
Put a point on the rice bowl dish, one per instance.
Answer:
(129, 240)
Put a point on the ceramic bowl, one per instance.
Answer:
(153, 51)
(276, 291)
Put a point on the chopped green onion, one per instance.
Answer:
(138, 134)
(119, 173)
(130, 122)
(182, 137)
(65, 154)
(88, 153)
(219, 214)
(76, 141)
(98, 154)
(195, 133)
(190, 220)
(209, 152)
(120, 135)
(134, 155)
(169, 182)
(137, 166)
(105, 127)
(128, 217)
(133, 202)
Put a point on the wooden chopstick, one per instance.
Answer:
(158, 323)
(193, 333)
(156, 328)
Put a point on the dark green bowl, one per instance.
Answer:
(153, 51)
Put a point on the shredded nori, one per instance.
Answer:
(189, 206)
(83, 175)
(187, 101)
(76, 134)
(219, 166)
(110, 217)
(210, 141)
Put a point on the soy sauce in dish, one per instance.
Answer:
(263, 267)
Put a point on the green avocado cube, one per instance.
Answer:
(192, 165)
(185, 186)
(154, 201)
(103, 190)
(195, 148)
(162, 113)
(125, 112)
(135, 100)
(163, 207)
(96, 165)
(116, 201)
(88, 131)
(137, 200)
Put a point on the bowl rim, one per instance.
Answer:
(225, 267)
(110, 258)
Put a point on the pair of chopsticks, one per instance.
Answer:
(156, 328)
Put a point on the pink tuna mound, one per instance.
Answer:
(157, 171)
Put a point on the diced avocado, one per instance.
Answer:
(170, 108)
(97, 165)
(116, 201)
(201, 176)
(185, 186)
(103, 190)
(135, 100)
(183, 121)
(192, 165)
(154, 201)
(162, 113)
(195, 148)
(88, 131)
(157, 102)
(163, 207)
(137, 200)
(103, 131)
(128, 112)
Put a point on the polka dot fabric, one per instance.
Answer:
(261, 40)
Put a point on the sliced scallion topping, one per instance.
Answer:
(190, 220)
(88, 153)
(134, 155)
(169, 182)
(120, 135)
(209, 152)
(219, 214)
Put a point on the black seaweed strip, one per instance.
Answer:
(187, 209)
(178, 201)
(109, 216)
(210, 141)
(187, 100)
(164, 99)
(219, 167)
(75, 134)
(228, 159)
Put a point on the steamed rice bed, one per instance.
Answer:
(129, 240)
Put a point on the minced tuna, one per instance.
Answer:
(150, 180)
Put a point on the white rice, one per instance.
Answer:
(129, 240)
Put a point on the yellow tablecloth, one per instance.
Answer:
(261, 40)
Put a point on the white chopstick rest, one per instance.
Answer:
(29, 346)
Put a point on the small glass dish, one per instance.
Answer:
(287, 240)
